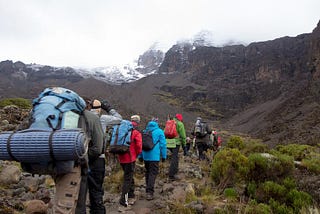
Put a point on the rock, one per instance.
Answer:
(43, 194)
(31, 183)
(178, 194)
(36, 207)
(10, 174)
(190, 189)
(4, 122)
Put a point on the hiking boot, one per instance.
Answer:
(149, 196)
(131, 201)
(124, 208)
(174, 178)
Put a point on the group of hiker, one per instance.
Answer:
(108, 132)
(171, 138)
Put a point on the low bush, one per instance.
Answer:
(254, 146)
(298, 200)
(312, 162)
(257, 208)
(229, 166)
(270, 189)
(235, 142)
(269, 167)
(231, 194)
(298, 151)
(20, 102)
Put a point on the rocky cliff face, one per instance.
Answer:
(253, 88)
(246, 75)
(150, 61)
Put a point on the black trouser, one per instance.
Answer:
(128, 182)
(95, 185)
(174, 162)
(152, 170)
(187, 147)
(202, 147)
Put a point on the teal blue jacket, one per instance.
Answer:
(160, 149)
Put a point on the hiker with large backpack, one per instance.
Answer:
(153, 155)
(127, 161)
(94, 153)
(174, 146)
(201, 133)
(56, 144)
(97, 167)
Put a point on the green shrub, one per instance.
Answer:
(298, 200)
(20, 102)
(231, 194)
(229, 166)
(254, 208)
(235, 142)
(251, 189)
(254, 146)
(289, 183)
(279, 208)
(269, 167)
(312, 163)
(298, 151)
(258, 167)
(282, 165)
(270, 189)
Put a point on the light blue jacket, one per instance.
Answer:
(160, 149)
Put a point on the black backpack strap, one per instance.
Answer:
(51, 146)
(9, 146)
(60, 114)
(117, 135)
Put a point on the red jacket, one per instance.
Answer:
(135, 147)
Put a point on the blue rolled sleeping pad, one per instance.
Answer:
(43, 145)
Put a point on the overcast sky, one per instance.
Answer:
(95, 33)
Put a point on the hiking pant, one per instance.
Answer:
(188, 147)
(174, 162)
(128, 182)
(67, 192)
(152, 170)
(95, 185)
(202, 147)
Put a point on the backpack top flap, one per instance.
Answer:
(69, 100)
(52, 103)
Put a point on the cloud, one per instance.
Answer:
(99, 33)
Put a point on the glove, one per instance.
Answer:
(105, 105)
(163, 159)
(141, 160)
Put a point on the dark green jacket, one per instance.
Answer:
(95, 134)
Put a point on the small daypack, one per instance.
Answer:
(121, 137)
(147, 141)
(170, 130)
(200, 129)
